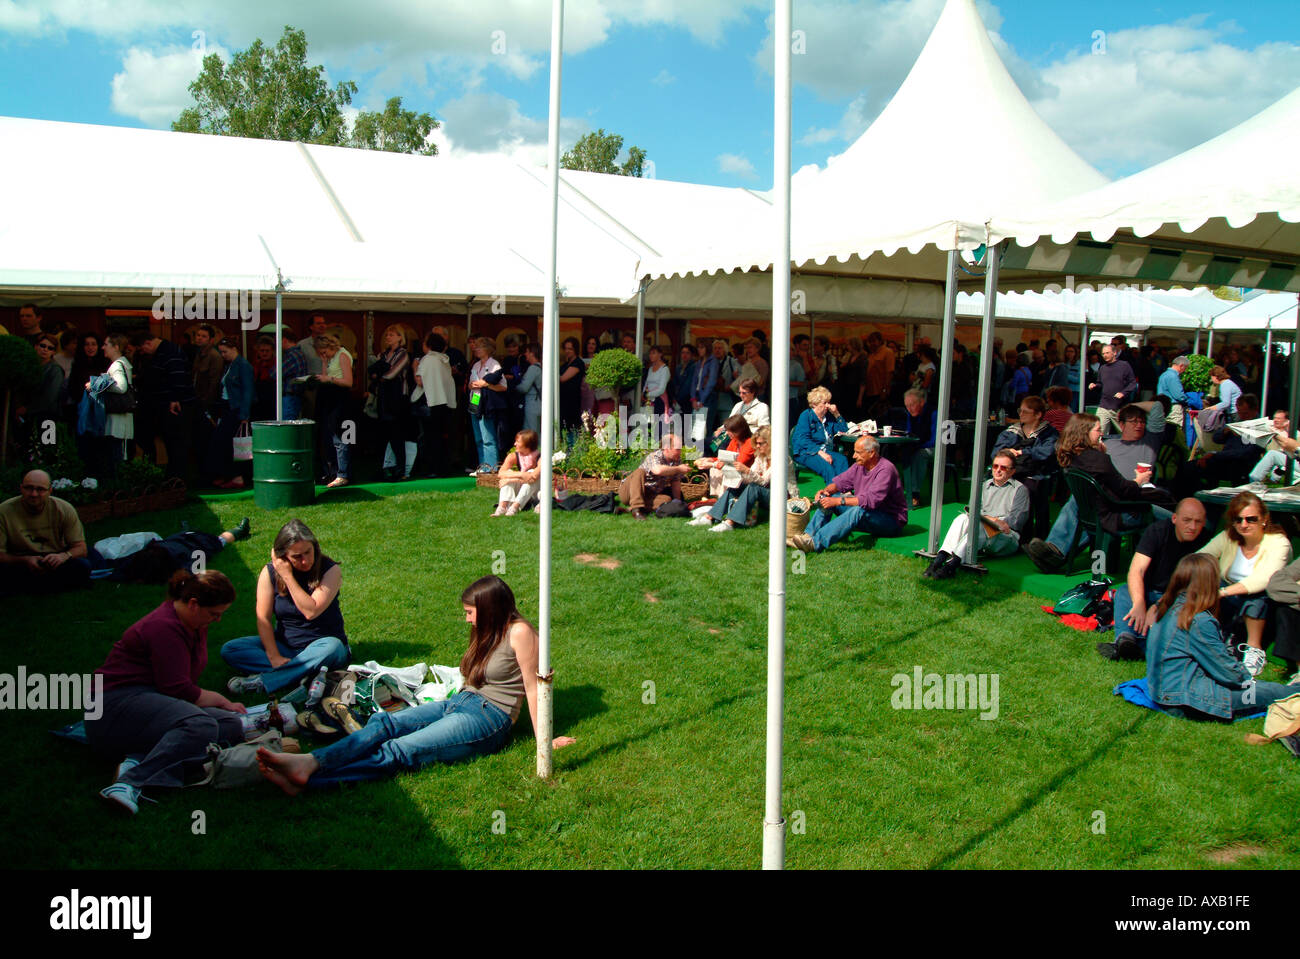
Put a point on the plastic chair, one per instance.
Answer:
(1088, 494)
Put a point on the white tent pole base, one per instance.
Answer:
(774, 844)
(545, 765)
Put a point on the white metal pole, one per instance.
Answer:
(1209, 343)
(1197, 347)
(550, 328)
(1083, 368)
(774, 820)
(944, 401)
(1264, 408)
(981, 424)
(640, 319)
(279, 346)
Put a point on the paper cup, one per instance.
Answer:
(888, 431)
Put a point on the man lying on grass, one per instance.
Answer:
(500, 669)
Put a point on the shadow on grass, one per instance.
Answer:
(345, 494)
(1032, 799)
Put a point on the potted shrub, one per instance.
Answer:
(613, 371)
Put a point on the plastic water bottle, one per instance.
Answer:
(317, 688)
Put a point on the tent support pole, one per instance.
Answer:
(944, 403)
(657, 332)
(1293, 400)
(640, 319)
(550, 333)
(1083, 368)
(1268, 362)
(279, 346)
(773, 818)
(469, 320)
(981, 423)
(1196, 348)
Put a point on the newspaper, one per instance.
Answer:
(1289, 495)
(1260, 432)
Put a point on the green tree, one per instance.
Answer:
(273, 94)
(598, 153)
(395, 130)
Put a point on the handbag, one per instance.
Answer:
(115, 402)
(242, 444)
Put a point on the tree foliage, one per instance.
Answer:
(598, 153)
(395, 130)
(273, 94)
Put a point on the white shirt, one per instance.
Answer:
(756, 414)
(437, 387)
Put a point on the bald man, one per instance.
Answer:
(1162, 546)
(42, 544)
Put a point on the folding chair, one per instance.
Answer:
(1118, 547)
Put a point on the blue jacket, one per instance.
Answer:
(1192, 667)
(809, 438)
(1037, 453)
(1170, 384)
(923, 427)
(709, 382)
(237, 386)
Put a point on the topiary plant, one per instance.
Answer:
(19, 371)
(613, 370)
(1196, 377)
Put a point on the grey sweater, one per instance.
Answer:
(1009, 502)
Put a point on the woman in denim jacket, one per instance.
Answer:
(1189, 669)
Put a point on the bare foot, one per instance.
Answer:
(288, 771)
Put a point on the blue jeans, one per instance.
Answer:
(827, 471)
(342, 455)
(1062, 534)
(485, 438)
(918, 473)
(736, 506)
(1124, 606)
(465, 726)
(829, 526)
(1233, 609)
(290, 406)
(247, 655)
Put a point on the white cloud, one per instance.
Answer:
(153, 86)
(1160, 90)
(663, 78)
(493, 123)
(736, 165)
(818, 135)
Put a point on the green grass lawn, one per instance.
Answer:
(677, 782)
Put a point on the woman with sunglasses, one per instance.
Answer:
(1189, 671)
(1249, 551)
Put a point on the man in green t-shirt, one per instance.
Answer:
(42, 544)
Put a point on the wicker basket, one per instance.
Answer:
(94, 512)
(171, 494)
(129, 502)
(796, 523)
(695, 486)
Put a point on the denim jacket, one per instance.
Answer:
(810, 437)
(1192, 667)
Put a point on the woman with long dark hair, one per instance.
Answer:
(499, 670)
(153, 709)
(390, 384)
(1189, 669)
(299, 621)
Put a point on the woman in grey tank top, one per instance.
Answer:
(499, 670)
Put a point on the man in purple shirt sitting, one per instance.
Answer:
(867, 497)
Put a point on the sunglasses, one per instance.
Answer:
(1248, 520)
(999, 466)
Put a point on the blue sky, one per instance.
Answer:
(684, 79)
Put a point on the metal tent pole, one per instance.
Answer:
(981, 424)
(945, 399)
(1293, 400)
(774, 819)
(640, 319)
(279, 346)
(1268, 362)
(550, 329)
(1083, 368)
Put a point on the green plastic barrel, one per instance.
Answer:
(282, 463)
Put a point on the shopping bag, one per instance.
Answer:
(242, 444)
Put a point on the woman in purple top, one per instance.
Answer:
(153, 710)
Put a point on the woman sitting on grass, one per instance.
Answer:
(740, 440)
(520, 475)
(499, 669)
(153, 709)
(1189, 669)
(300, 586)
(734, 506)
(1249, 551)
